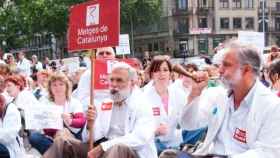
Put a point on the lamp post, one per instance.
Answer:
(263, 20)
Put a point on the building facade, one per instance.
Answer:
(194, 27)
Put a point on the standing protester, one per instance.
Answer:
(245, 121)
(11, 63)
(23, 65)
(83, 90)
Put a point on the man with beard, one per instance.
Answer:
(123, 124)
(242, 122)
(126, 122)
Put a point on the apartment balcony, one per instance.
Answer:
(274, 30)
(182, 12)
(204, 10)
(266, 10)
(275, 11)
(181, 32)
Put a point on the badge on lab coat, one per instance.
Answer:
(156, 111)
(106, 106)
(240, 135)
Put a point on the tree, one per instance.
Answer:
(21, 20)
(139, 12)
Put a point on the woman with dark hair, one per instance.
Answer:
(274, 75)
(166, 102)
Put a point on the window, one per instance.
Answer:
(202, 22)
(224, 4)
(237, 23)
(249, 23)
(182, 4)
(261, 4)
(277, 24)
(236, 3)
(150, 47)
(224, 23)
(202, 3)
(156, 46)
(182, 25)
(277, 6)
(203, 45)
(249, 4)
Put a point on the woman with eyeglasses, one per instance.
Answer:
(166, 102)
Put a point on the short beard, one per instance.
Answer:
(229, 83)
(119, 95)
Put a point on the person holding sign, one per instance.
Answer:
(123, 124)
(10, 124)
(49, 143)
(243, 123)
(83, 90)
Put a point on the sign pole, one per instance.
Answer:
(92, 59)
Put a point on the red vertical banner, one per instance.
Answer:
(94, 24)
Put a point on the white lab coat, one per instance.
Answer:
(9, 128)
(139, 127)
(262, 131)
(24, 66)
(176, 102)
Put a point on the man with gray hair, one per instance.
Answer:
(243, 121)
(123, 124)
(126, 121)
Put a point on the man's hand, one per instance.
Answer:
(91, 115)
(162, 129)
(96, 152)
(198, 85)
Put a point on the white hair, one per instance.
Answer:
(132, 74)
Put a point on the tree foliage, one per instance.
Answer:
(22, 19)
(138, 12)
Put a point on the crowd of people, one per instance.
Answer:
(228, 107)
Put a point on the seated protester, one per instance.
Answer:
(166, 101)
(59, 89)
(11, 145)
(274, 75)
(243, 123)
(123, 125)
(22, 98)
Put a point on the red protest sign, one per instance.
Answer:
(94, 24)
(103, 68)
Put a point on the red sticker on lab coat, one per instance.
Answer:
(156, 111)
(106, 106)
(240, 135)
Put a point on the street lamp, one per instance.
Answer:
(263, 20)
